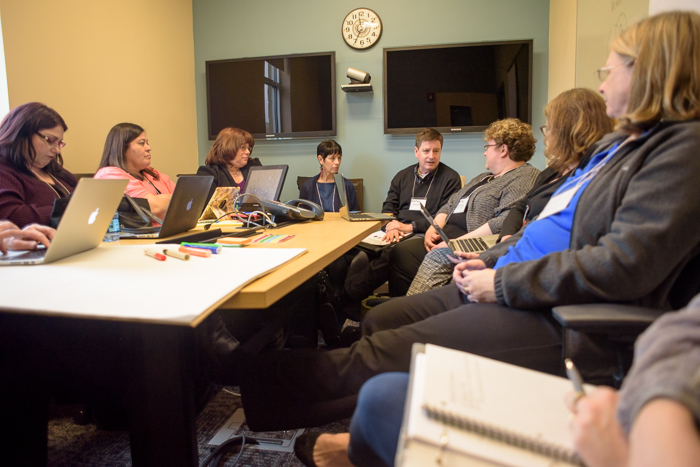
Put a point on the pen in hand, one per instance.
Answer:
(575, 377)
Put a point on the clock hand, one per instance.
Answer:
(360, 30)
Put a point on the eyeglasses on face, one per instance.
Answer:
(52, 141)
(247, 148)
(604, 72)
(487, 146)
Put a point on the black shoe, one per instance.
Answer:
(328, 324)
(220, 350)
(304, 447)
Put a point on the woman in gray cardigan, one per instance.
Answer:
(482, 205)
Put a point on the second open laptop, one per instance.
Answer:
(265, 182)
(83, 224)
(355, 216)
(467, 245)
(185, 207)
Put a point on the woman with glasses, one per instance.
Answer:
(127, 154)
(229, 159)
(31, 167)
(481, 206)
(576, 119)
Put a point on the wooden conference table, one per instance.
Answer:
(161, 393)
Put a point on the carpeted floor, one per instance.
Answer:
(73, 445)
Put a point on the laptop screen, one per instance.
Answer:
(340, 186)
(266, 182)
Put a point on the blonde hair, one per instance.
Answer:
(665, 84)
(575, 120)
(514, 134)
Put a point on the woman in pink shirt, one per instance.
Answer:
(128, 155)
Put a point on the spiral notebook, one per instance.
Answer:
(463, 409)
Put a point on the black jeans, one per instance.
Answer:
(404, 263)
(284, 390)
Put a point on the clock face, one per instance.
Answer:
(361, 28)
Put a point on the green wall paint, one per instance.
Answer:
(226, 29)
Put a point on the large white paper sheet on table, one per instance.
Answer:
(121, 282)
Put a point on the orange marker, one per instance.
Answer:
(156, 255)
(195, 252)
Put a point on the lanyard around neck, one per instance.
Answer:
(413, 191)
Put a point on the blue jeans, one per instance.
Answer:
(375, 425)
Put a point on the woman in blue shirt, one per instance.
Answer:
(321, 189)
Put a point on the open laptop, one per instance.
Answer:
(185, 206)
(83, 225)
(355, 216)
(265, 182)
(467, 245)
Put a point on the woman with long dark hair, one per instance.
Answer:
(127, 154)
(31, 165)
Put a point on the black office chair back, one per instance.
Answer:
(687, 285)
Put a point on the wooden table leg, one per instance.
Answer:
(161, 399)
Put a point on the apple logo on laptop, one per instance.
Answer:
(93, 216)
(189, 205)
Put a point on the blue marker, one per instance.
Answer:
(203, 246)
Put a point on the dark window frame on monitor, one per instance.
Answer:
(511, 69)
(270, 80)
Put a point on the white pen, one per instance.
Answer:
(575, 377)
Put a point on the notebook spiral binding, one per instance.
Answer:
(504, 435)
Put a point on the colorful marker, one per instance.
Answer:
(195, 251)
(203, 246)
(155, 254)
(176, 254)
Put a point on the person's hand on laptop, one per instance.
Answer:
(459, 257)
(431, 239)
(28, 238)
(392, 236)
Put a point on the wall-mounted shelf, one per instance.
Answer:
(361, 87)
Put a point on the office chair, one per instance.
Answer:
(358, 183)
(599, 337)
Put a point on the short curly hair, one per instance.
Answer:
(514, 134)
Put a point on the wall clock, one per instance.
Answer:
(361, 28)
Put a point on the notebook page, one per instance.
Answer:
(461, 447)
(498, 394)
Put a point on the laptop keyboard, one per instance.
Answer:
(469, 245)
(359, 215)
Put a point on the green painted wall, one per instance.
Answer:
(226, 29)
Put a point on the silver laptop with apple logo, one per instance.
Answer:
(186, 205)
(83, 225)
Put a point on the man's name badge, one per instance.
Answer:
(416, 204)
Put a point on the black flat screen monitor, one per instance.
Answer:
(273, 97)
(457, 87)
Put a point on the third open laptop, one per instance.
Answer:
(355, 216)
(467, 245)
(185, 206)
(83, 224)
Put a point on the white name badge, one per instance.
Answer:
(461, 206)
(558, 203)
(416, 203)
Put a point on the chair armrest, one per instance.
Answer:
(606, 318)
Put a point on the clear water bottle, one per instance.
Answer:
(112, 234)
